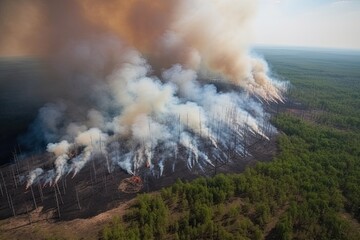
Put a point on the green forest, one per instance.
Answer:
(311, 189)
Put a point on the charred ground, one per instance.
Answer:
(94, 190)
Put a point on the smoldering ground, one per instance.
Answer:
(130, 72)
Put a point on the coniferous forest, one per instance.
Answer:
(311, 189)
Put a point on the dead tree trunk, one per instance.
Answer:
(41, 193)
(57, 202)
(16, 160)
(28, 214)
(65, 182)
(57, 187)
(14, 177)
(77, 199)
(63, 185)
(11, 206)
(107, 163)
(33, 196)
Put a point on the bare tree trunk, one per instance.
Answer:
(77, 199)
(41, 193)
(57, 203)
(107, 163)
(33, 196)
(16, 160)
(13, 173)
(11, 206)
(63, 185)
(57, 187)
(27, 212)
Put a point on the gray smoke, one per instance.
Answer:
(129, 108)
(153, 119)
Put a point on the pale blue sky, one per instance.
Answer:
(311, 23)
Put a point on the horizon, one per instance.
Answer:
(348, 51)
(307, 48)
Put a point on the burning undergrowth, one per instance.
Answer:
(133, 95)
(153, 120)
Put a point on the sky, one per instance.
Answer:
(308, 23)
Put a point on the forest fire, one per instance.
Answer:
(197, 107)
(189, 97)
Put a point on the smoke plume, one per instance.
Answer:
(141, 80)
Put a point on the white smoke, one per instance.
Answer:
(33, 175)
(154, 114)
(59, 148)
(138, 118)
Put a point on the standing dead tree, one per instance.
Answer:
(57, 202)
(41, 192)
(14, 177)
(63, 182)
(33, 196)
(93, 161)
(16, 160)
(58, 190)
(77, 198)
(8, 196)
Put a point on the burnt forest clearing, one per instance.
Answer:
(309, 190)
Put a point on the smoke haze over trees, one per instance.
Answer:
(141, 73)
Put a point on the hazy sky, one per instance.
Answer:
(311, 23)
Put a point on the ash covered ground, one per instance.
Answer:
(95, 190)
